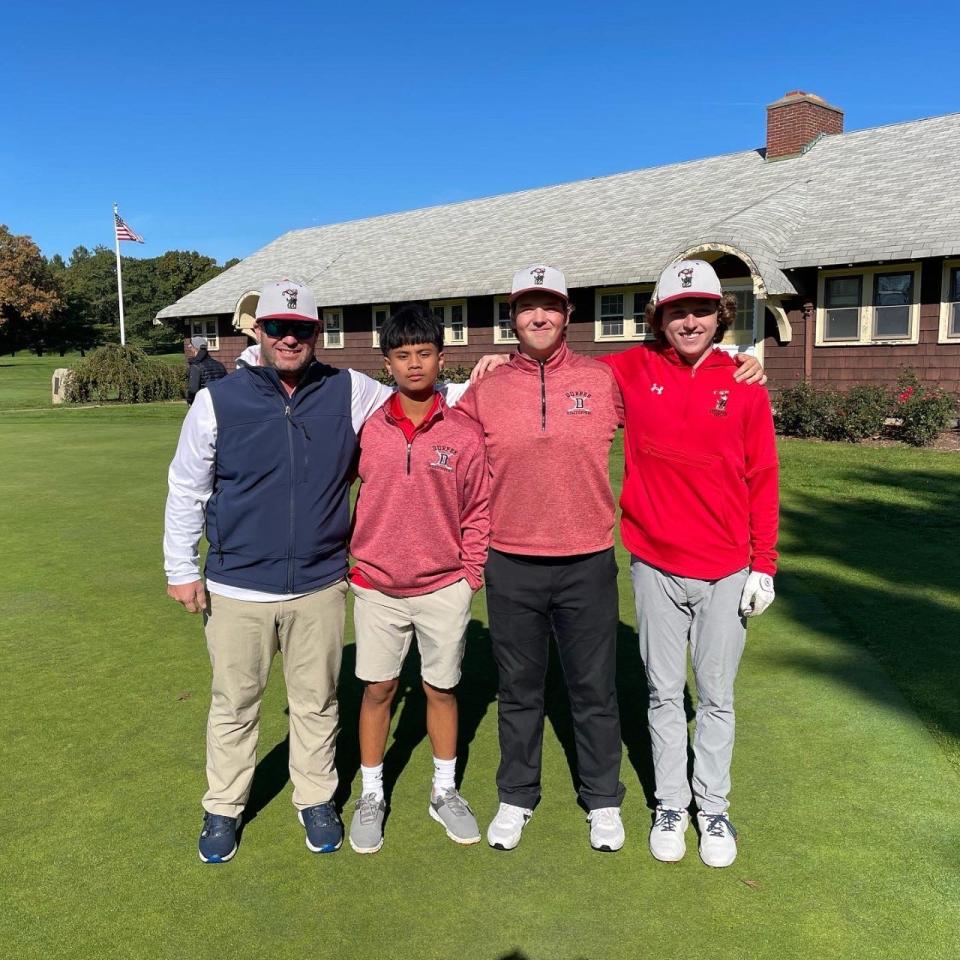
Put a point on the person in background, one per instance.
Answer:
(202, 369)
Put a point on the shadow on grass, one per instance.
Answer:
(880, 552)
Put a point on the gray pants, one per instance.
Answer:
(673, 611)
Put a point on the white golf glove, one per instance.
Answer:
(757, 594)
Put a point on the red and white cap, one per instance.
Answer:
(539, 278)
(687, 278)
(287, 300)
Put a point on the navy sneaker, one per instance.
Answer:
(324, 827)
(218, 838)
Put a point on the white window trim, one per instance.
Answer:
(198, 329)
(498, 337)
(945, 304)
(329, 311)
(448, 341)
(736, 286)
(866, 312)
(629, 325)
(375, 338)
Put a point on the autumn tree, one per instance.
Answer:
(30, 298)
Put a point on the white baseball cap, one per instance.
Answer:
(287, 300)
(687, 278)
(539, 277)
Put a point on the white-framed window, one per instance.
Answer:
(950, 303)
(206, 327)
(869, 305)
(379, 316)
(742, 332)
(332, 328)
(618, 313)
(502, 323)
(453, 315)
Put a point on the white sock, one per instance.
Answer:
(372, 780)
(443, 773)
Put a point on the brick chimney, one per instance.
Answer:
(796, 120)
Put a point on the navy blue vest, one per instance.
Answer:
(279, 515)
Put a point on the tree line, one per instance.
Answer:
(52, 305)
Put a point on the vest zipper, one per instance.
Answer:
(286, 413)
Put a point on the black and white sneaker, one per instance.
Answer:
(718, 839)
(505, 828)
(667, 841)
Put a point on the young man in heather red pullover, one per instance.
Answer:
(419, 544)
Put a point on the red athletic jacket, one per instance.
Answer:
(421, 521)
(700, 490)
(548, 428)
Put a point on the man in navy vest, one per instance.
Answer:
(264, 466)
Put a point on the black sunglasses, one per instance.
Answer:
(301, 329)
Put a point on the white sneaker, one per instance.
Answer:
(667, 842)
(718, 839)
(505, 828)
(606, 829)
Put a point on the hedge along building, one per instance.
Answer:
(843, 251)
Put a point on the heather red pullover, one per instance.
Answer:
(421, 521)
(700, 489)
(548, 428)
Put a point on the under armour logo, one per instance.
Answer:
(656, 388)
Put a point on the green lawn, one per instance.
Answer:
(26, 379)
(847, 753)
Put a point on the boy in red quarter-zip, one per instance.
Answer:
(419, 542)
(699, 516)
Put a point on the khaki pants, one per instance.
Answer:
(242, 638)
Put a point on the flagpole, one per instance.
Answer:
(116, 238)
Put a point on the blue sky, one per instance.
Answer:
(218, 126)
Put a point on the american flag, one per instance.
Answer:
(124, 232)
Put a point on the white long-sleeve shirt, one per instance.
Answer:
(191, 476)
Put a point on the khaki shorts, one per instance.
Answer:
(385, 627)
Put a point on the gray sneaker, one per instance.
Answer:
(450, 809)
(366, 828)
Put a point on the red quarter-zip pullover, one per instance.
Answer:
(421, 521)
(548, 428)
(700, 490)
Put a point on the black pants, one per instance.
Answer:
(575, 598)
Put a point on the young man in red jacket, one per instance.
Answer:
(419, 544)
(699, 515)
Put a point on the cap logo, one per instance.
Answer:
(538, 273)
(686, 277)
(291, 294)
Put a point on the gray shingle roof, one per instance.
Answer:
(855, 197)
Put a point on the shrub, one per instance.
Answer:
(124, 374)
(861, 413)
(800, 411)
(923, 411)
